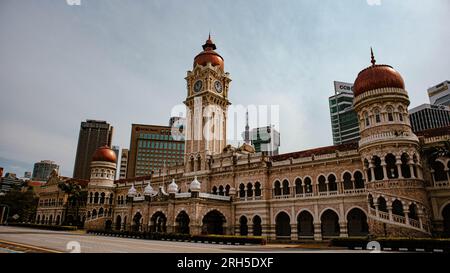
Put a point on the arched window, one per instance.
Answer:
(242, 190)
(257, 228)
(376, 112)
(94, 214)
(277, 188)
(406, 171)
(298, 186)
(285, 187)
(400, 113)
(102, 198)
(111, 198)
(90, 198)
(390, 113)
(397, 208)
(257, 189)
(100, 212)
(366, 119)
(378, 169)
(322, 184)
(308, 185)
(221, 190)
(391, 167)
(283, 226)
(96, 198)
(227, 190)
(382, 206)
(214, 190)
(439, 172)
(359, 180)
(348, 184)
(332, 185)
(412, 214)
(249, 190)
(330, 224)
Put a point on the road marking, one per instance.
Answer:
(30, 246)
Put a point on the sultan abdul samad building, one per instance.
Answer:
(390, 183)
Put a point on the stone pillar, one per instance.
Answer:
(406, 211)
(372, 172)
(432, 177)
(294, 233)
(265, 230)
(317, 231)
(389, 208)
(385, 176)
(343, 229)
(411, 170)
(376, 209)
(398, 162)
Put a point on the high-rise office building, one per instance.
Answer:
(344, 121)
(123, 164)
(116, 150)
(43, 169)
(93, 134)
(266, 140)
(428, 116)
(151, 148)
(440, 94)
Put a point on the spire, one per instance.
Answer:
(209, 45)
(372, 57)
(247, 130)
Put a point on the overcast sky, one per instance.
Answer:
(125, 62)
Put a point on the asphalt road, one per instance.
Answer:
(69, 241)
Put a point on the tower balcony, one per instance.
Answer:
(387, 136)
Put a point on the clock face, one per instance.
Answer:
(198, 86)
(218, 86)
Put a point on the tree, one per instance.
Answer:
(22, 203)
(75, 198)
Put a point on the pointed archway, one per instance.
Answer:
(213, 223)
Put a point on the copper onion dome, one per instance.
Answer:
(208, 55)
(377, 76)
(104, 153)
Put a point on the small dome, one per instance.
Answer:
(173, 187)
(208, 55)
(104, 153)
(377, 76)
(195, 185)
(148, 190)
(132, 192)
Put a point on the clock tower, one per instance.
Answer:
(206, 105)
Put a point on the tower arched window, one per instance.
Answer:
(377, 115)
(400, 113)
(366, 119)
(390, 113)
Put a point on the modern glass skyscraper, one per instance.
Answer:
(151, 148)
(93, 134)
(344, 121)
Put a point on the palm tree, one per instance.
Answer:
(75, 196)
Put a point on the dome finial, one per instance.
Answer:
(372, 57)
